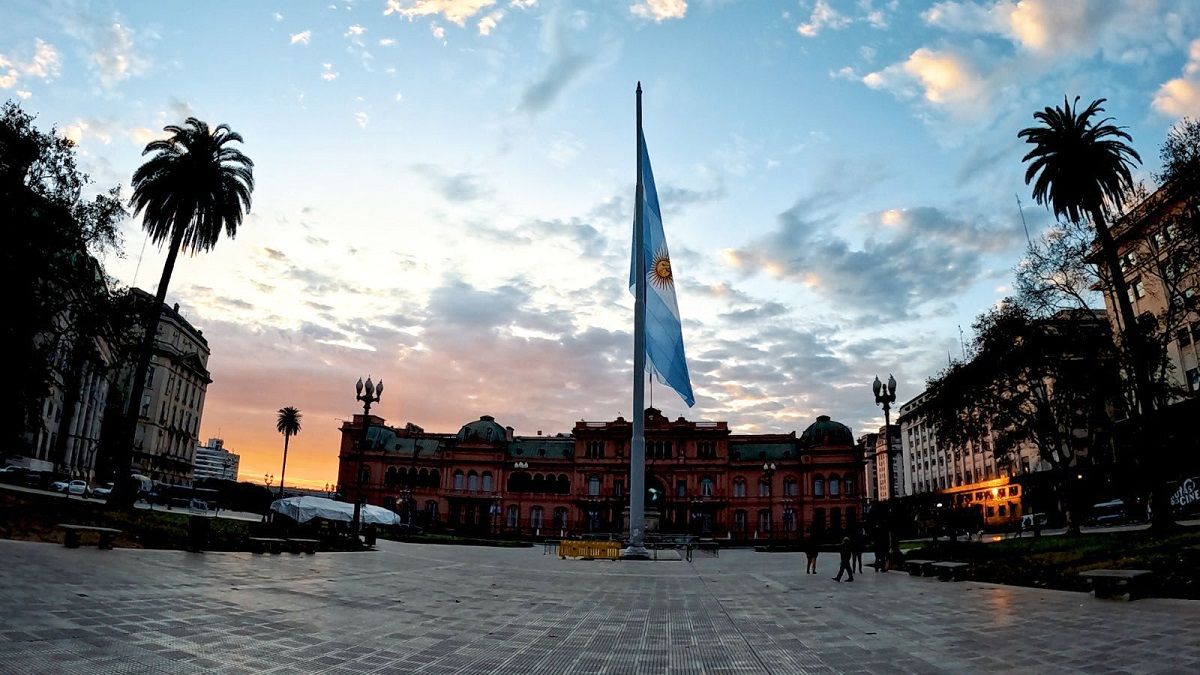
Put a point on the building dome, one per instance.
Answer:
(826, 432)
(484, 429)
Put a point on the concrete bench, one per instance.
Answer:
(950, 571)
(71, 538)
(308, 546)
(920, 568)
(265, 544)
(1125, 584)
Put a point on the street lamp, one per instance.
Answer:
(520, 465)
(367, 394)
(769, 473)
(885, 397)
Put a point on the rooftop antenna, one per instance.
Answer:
(1021, 210)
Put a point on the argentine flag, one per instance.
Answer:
(664, 335)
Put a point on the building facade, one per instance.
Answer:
(215, 461)
(172, 402)
(700, 478)
(888, 464)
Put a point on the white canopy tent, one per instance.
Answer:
(304, 508)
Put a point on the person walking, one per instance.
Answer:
(810, 552)
(845, 551)
(858, 541)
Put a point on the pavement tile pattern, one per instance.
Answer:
(410, 608)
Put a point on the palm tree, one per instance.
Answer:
(288, 424)
(1081, 169)
(193, 188)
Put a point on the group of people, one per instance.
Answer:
(850, 553)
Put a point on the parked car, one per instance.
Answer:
(79, 487)
(59, 486)
(1109, 513)
(103, 491)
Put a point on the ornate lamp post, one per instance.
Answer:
(886, 396)
(366, 394)
(769, 474)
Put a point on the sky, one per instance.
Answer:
(445, 189)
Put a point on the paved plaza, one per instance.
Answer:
(438, 609)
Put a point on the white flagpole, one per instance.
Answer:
(637, 448)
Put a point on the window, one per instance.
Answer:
(1003, 511)
(764, 520)
(472, 481)
(848, 486)
(834, 486)
(706, 449)
(835, 519)
(535, 517)
(789, 519)
(593, 486)
(458, 480)
(791, 487)
(739, 487)
(487, 481)
(514, 515)
(560, 518)
(681, 488)
(706, 486)
(764, 487)
(364, 475)
(619, 488)
(739, 521)
(991, 511)
(1014, 490)
(818, 487)
(431, 509)
(595, 449)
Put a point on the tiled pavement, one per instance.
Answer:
(437, 609)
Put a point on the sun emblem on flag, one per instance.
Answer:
(660, 271)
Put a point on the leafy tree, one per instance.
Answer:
(1080, 168)
(194, 187)
(59, 300)
(288, 424)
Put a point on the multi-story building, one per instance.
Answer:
(889, 464)
(700, 477)
(214, 460)
(172, 402)
(866, 446)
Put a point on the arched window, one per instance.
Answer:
(538, 484)
(790, 487)
(593, 486)
(848, 486)
(364, 475)
(535, 517)
(392, 477)
(435, 478)
(706, 486)
(514, 515)
(818, 486)
(519, 482)
(458, 480)
(472, 481)
(764, 487)
(739, 521)
(423, 478)
(487, 481)
(834, 486)
(739, 487)
(564, 484)
(560, 518)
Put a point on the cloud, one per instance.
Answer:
(823, 16)
(278, 17)
(386, 42)
(943, 79)
(926, 255)
(44, 64)
(488, 23)
(660, 10)
(565, 67)
(455, 11)
(354, 31)
(116, 57)
(142, 135)
(361, 119)
(301, 38)
(328, 73)
(453, 187)
(1180, 97)
(438, 32)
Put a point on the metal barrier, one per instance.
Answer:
(589, 549)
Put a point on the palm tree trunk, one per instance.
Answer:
(123, 493)
(286, 438)
(1143, 412)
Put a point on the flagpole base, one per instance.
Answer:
(637, 552)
